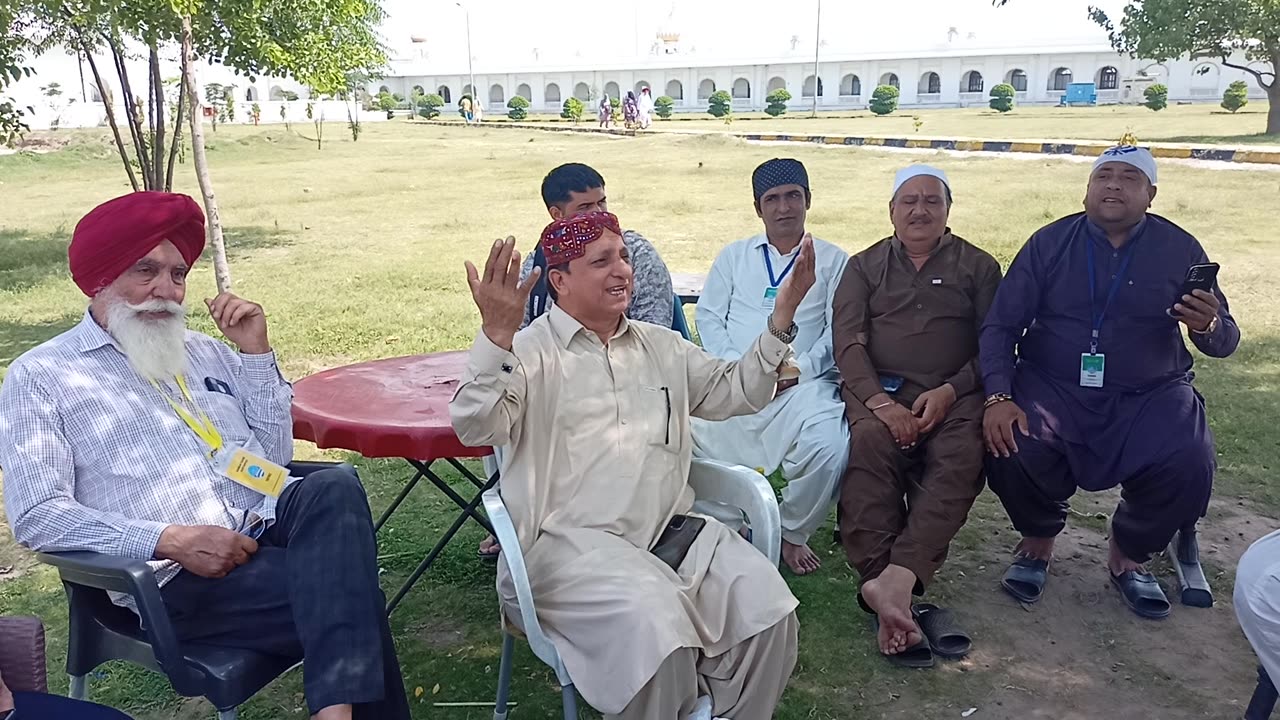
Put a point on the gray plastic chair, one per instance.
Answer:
(100, 631)
(711, 481)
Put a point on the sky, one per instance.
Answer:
(514, 33)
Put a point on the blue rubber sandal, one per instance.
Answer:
(1025, 579)
(1143, 594)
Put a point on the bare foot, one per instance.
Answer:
(1035, 548)
(799, 558)
(489, 546)
(1118, 562)
(890, 596)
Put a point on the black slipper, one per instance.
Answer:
(939, 625)
(1025, 579)
(917, 656)
(1142, 593)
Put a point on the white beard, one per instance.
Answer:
(156, 348)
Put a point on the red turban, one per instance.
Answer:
(567, 238)
(120, 232)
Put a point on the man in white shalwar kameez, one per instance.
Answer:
(803, 431)
(594, 410)
(1257, 601)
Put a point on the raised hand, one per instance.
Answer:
(802, 276)
(499, 293)
(242, 322)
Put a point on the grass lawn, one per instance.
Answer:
(356, 251)
(1199, 124)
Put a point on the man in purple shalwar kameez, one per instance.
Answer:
(1098, 391)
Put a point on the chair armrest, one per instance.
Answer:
(22, 661)
(744, 488)
(136, 579)
(513, 556)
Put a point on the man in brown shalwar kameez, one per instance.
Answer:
(905, 325)
(594, 411)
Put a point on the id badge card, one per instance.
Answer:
(770, 298)
(1092, 368)
(256, 473)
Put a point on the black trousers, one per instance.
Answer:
(311, 590)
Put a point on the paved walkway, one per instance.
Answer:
(1261, 155)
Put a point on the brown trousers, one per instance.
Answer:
(745, 683)
(904, 507)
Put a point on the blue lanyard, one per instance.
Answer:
(1096, 315)
(768, 264)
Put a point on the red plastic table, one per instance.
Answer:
(398, 407)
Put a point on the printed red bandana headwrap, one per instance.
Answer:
(120, 232)
(567, 239)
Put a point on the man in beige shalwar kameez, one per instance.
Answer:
(594, 410)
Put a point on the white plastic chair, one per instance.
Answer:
(711, 481)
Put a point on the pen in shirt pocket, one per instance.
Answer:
(666, 394)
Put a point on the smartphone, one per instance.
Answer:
(1199, 277)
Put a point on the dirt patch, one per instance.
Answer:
(1080, 653)
(441, 635)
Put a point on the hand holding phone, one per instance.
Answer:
(1196, 306)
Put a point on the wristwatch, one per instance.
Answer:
(789, 336)
(1213, 325)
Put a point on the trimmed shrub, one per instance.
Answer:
(1002, 97)
(721, 104)
(572, 110)
(777, 102)
(519, 108)
(1157, 97)
(884, 100)
(1236, 96)
(663, 106)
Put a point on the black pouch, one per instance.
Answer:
(677, 538)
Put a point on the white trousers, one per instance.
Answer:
(1257, 600)
(803, 432)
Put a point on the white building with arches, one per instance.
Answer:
(948, 78)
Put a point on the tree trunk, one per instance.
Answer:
(221, 271)
(1273, 114)
(176, 142)
(111, 115)
(157, 121)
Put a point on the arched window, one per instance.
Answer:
(251, 95)
(675, 90)
(706, 88)
(94, 95)
(582, 92)
(850, 86)
(417, 90)
(1108, 78)
(384, 89)
(930, 84)
(1060, 79)
(741, 89)
(524, 91)
(552, 94)
(971, 82)
(807, 90)
(496, 95)
(612, 90)
(468, 91)
(890, 79)
(777, 83)
(443, 92)
(276, 93)
(640, 86)
(1018, 79)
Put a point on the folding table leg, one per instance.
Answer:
(404, 492)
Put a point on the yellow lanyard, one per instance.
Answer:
(203, 428)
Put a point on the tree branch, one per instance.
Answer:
(105, 94)
(1257, 74)
(131, 109)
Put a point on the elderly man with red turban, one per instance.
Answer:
(130, 435)
(594, 409)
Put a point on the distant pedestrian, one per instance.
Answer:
(630, 111)
(646, 108)
(606, 112)
(467, 109)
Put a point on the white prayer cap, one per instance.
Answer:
(913, 171)
(1140, 158)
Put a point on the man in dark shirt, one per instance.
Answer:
(1083, 354)
(905, 329)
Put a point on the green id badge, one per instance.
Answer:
(1092, 368)
(770, 298)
